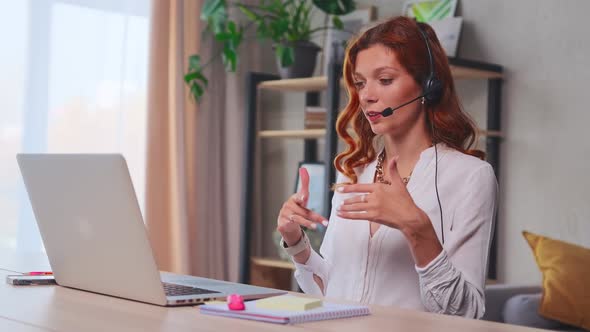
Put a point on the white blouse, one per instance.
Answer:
(381, 270)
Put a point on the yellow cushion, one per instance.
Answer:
(566, 279)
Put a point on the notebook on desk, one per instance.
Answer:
(253, 312)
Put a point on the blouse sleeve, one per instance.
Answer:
(453, 283)
(318, 264)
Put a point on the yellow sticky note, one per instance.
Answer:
(289, 303)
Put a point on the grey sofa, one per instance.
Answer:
(518, 305)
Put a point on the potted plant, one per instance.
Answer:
(287, 23)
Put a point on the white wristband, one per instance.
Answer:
(297, 248)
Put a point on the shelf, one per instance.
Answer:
(490, 133)
(317, 83)
(303, 133)
(473, 73)
(460, 69)
(275, 263)
(321, 133)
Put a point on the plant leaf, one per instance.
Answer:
(197, 91)
(199, 76)
(289, 57)
(215, 13)
(337, 22)
(285, 54)
(195, 78)
(194, 62)
(223, 36)
(189, 77)
(229, 57)
(335, 7)
(249, 13)
(210, 8)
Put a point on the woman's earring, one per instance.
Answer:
(423, 100)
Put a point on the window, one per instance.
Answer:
(74, 80)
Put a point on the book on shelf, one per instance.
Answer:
(314, 117)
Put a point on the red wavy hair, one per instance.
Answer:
(452, 126)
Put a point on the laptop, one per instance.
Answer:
(95, 237)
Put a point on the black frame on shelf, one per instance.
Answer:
(493, 157)
(252, 81)
(310, 147)
(332, 109)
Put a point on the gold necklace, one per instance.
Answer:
(379, 170)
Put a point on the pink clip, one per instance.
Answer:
(235, 302)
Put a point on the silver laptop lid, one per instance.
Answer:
(91, 224)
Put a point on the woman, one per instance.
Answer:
(414, 207)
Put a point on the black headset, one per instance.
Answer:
(432, 90)
(432, 87)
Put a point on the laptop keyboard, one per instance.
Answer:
(179, 290)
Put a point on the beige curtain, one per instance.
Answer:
(172, 127)
(220, 146)
(194, 171)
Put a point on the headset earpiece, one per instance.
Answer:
(432, 90)
(432, 87)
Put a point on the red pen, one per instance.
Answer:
(38, 273)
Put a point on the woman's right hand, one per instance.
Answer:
(295, 214)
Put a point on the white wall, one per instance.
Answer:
(544, 48)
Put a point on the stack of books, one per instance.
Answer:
(315, 117)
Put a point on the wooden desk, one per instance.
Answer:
(12, 326)
(55, 308)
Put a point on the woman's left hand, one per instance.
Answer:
(389, 205)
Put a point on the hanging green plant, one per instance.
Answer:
(285, 23)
